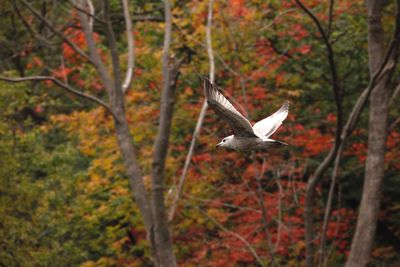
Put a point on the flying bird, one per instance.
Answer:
(245, 136)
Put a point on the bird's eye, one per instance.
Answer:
(223, 141)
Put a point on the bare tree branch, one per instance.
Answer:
(124, 138)
(210, 51)
(201, 116)
(394, 124)
(221, 203)
(241, 238)
(162, 236)
(337, 91)
(33, 32)
(62, 85)
(91, 14)
(131, 47)
(260, 199)
(395, 93)
(332, 247)
(322, 247)
(116, 92)
(290, 10)
(279, 231)
(317, 175)
(56, 32)
(95, 58)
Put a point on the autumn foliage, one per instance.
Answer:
(237, 209)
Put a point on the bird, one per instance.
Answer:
(245, 136)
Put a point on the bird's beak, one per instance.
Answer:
(218, 145)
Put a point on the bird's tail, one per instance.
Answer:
(276, 143)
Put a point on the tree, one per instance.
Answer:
(152, 207)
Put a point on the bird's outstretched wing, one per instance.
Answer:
(240, 126)
(269, 125)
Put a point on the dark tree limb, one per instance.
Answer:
(318, 174)
(64, 86)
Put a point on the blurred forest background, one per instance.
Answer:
(99, 102)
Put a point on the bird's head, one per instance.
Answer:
(226, 142)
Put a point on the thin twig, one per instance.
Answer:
(393, 125)
(241, 238)
(92, 15)
(276, 18)
(220, 203)
(281, 193)
(65, 77)
(332, 247)
(260, 197)
(395, 93)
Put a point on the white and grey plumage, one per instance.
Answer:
(245, 136)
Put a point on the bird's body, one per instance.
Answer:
(250, 143)
(246, 137)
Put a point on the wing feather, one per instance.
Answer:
(240, 126)
(269, 125)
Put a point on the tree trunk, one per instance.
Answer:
(374, 168)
